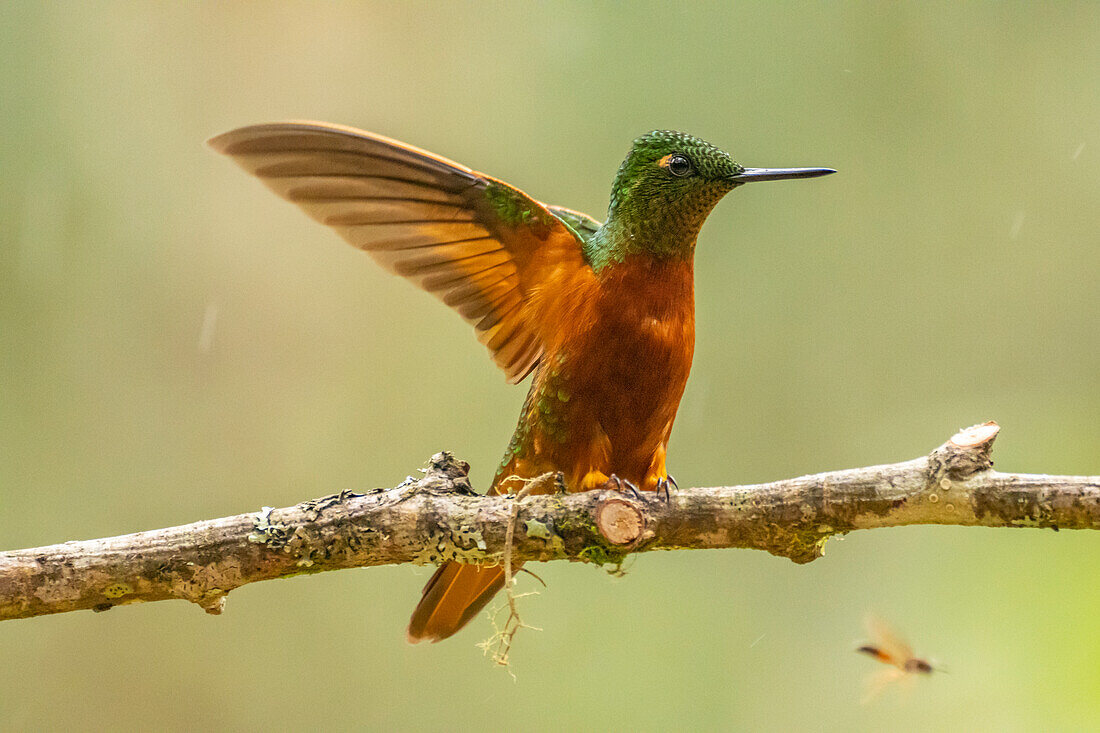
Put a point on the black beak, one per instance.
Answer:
(750, 175)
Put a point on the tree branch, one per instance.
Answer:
(440, 518)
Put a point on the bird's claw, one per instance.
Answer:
(663, 485)
(624, 486)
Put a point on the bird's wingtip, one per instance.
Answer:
(224, 142)
(218, 143)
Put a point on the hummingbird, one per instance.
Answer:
(601, 314)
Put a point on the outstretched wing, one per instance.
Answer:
(479, 245)
(888, 640)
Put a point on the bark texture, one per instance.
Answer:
(439, 517)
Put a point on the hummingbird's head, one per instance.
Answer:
(669, 183)
(672, 175)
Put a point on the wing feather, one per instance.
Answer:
(306, 188)
(481, 246)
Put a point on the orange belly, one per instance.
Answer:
(606, 392)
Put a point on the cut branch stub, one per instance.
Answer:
(966, 453)
(976, 436)
(619, 521)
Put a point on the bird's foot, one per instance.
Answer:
(624, 486)
(663, 485)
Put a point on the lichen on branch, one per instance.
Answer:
(439, 517)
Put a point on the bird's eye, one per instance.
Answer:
(678, 165)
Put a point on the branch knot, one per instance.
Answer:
(447, 474)
(965, 454)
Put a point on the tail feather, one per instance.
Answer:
(454, 595)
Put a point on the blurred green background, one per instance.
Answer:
(177, 344)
